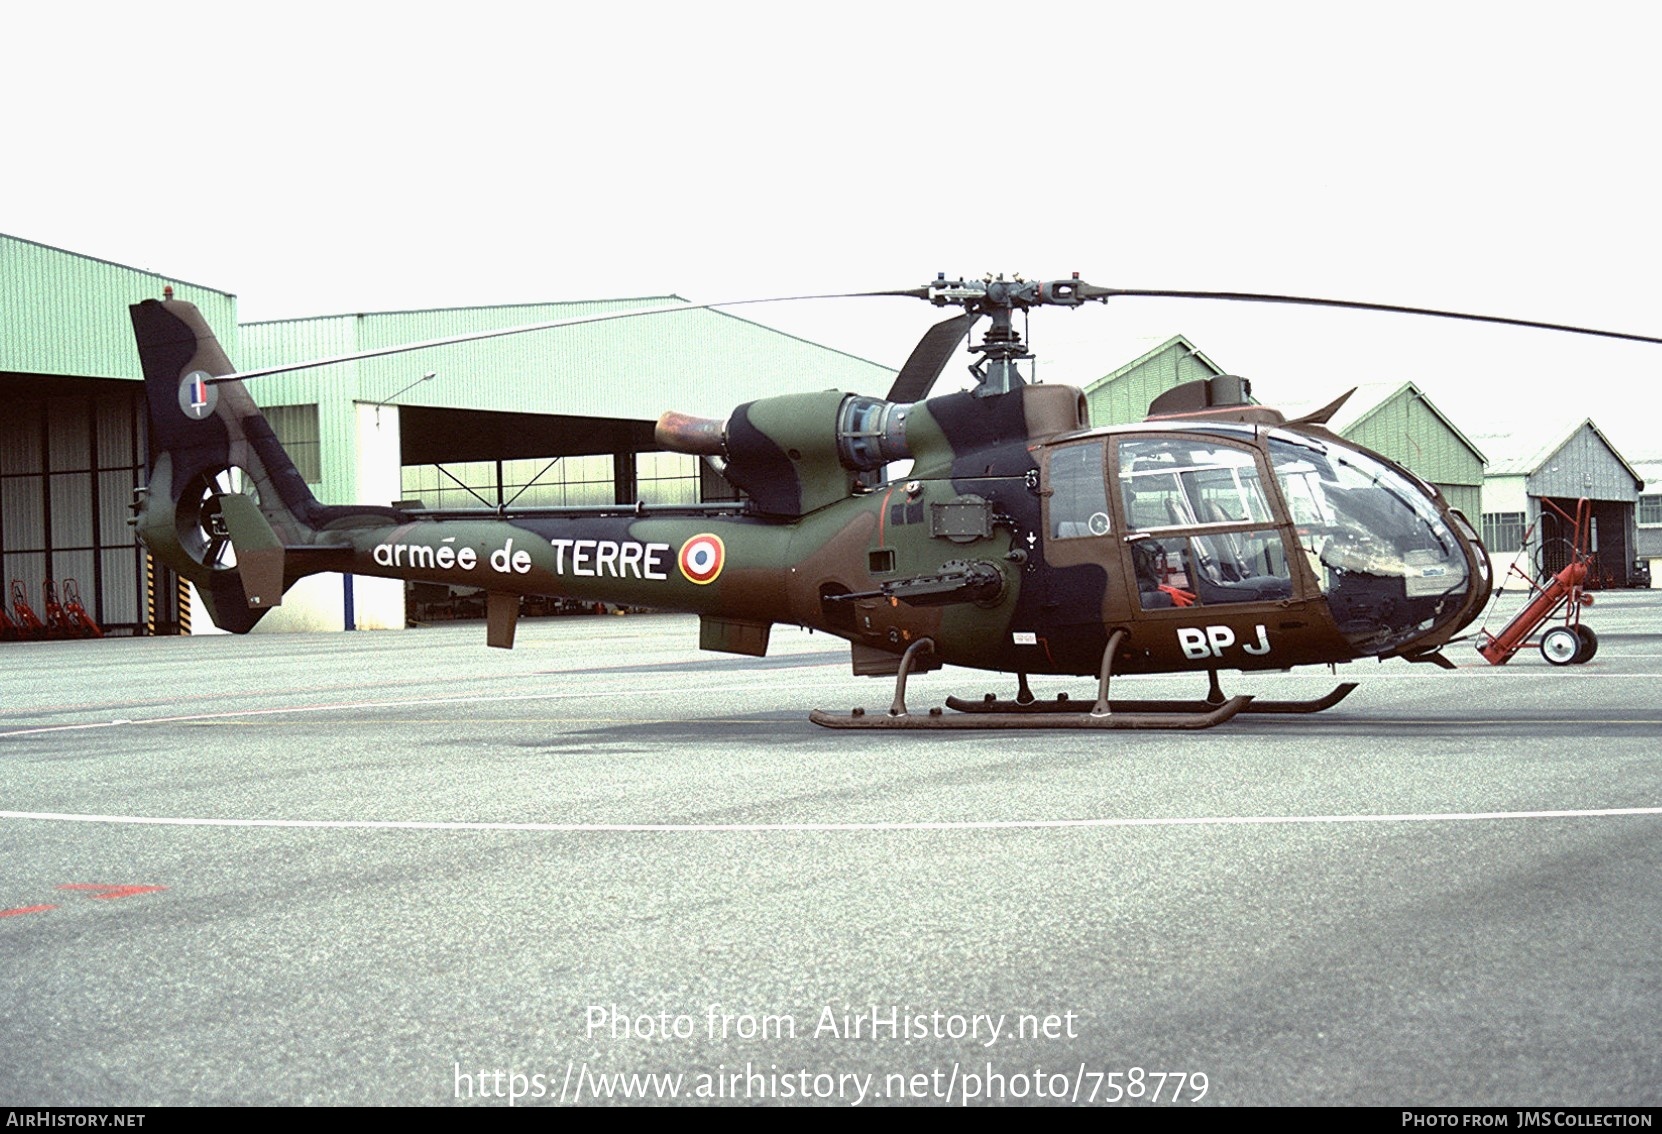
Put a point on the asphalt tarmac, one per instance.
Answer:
(405, 868)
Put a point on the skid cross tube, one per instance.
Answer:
(1061, 703)
(1102, 714)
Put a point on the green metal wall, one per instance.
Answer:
(61, 313)
(72, 451)
(1123, 396)
(1407, 430)
(1466, 497)
(695, 361)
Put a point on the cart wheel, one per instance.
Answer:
(1560, 645)
(1589, 643)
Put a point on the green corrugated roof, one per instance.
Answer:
(696, 361)
(1523, 452)
(64, 313)
(1371, 398)
(1123, 395)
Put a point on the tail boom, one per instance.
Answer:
(208, 442)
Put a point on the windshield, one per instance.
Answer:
(1391, 568)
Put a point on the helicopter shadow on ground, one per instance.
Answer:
(1529, 725)
(713, 665)
(882, 779)
(788, 733)
(1561, 719)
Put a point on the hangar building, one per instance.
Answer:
(549, 418)
(1398, 420)
(1530, 470)
(1123, 395)
(72, 440)
(555, 417)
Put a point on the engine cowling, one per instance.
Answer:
(795, 453)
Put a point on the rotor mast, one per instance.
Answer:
(1001, 348)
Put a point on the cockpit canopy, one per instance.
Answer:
(1208, 518)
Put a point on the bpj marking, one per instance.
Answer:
(1200, 643)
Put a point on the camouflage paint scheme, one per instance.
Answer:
(976, 497)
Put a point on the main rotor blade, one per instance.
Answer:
(572, 321)
(929, 358)
(1105, 293)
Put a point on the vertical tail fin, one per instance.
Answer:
(209, 440)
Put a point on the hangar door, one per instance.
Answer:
(68, 466)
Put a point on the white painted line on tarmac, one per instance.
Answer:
(797, 828)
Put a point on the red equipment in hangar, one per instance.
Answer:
(65, 618)
(28, 622)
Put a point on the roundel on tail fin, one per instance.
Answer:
(197, 397)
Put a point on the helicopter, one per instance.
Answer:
(1215, 535)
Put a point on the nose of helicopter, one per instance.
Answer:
(1402, 572)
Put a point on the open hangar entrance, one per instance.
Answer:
(458, 458)
(1608, 540)
(479, 458)
(72, 449)
(558, 418)
(73, 446)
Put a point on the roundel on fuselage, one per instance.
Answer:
(702, 557)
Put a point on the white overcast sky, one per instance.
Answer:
(318, 158)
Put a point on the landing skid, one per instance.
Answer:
(991, 704)
(1043, 714)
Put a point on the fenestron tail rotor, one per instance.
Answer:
(203, 532)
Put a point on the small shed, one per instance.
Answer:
(1534, 478)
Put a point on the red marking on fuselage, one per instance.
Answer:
(26, 909)
(107, 890)
(1045, 642)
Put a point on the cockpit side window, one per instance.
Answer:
(1216, 538)
(1185, 482)
(1078, 491)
